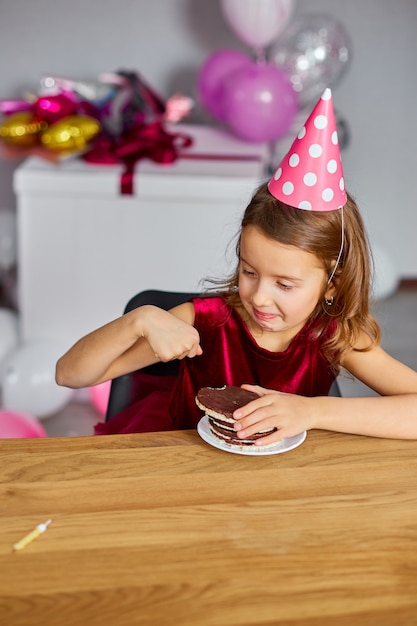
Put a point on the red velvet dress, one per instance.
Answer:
(230, 356)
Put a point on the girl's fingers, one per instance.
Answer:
(247, 431)
(276, 437)
(253, 409)
(166, 353)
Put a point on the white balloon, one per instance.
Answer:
(27, 380)
(7, 239)
(9, 332)
(257, 22)
(386, 279)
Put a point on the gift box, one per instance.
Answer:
(84, 247)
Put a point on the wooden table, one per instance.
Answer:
(162, 529)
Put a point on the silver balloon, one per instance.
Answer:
(315, 51)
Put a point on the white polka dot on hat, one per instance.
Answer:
(310, 176)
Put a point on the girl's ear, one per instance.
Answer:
(331, 289)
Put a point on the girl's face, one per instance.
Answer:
(279, 285)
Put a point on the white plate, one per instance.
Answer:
(204, 431)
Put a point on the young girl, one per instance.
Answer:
(295, 311)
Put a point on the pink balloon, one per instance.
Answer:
(54, 108)
(212, 75)
(257, 22)
(100, 396)
(259, 102)
(8, 107)
(19, 426)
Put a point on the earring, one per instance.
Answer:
(329, 301)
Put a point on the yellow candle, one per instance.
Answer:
(31, 536)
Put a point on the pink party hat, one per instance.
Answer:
(310, 176)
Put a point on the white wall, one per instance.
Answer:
(167, 41)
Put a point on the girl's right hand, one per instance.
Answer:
(169, 336)
(139, 338)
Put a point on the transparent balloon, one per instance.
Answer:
(27, 380)
(315, 51)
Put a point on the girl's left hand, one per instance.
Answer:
(289, 413)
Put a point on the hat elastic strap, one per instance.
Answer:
(340, 251)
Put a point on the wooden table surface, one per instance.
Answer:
(162, 528)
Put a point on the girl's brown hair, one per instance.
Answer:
(320, 234)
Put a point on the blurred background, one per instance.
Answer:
(370, 62)
(167, 41)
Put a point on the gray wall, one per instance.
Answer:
(168, 40)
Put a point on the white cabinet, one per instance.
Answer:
(84, 249)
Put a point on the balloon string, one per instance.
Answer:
(260, 57)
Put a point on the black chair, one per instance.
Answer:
(122, 388)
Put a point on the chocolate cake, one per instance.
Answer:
(219, 404)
